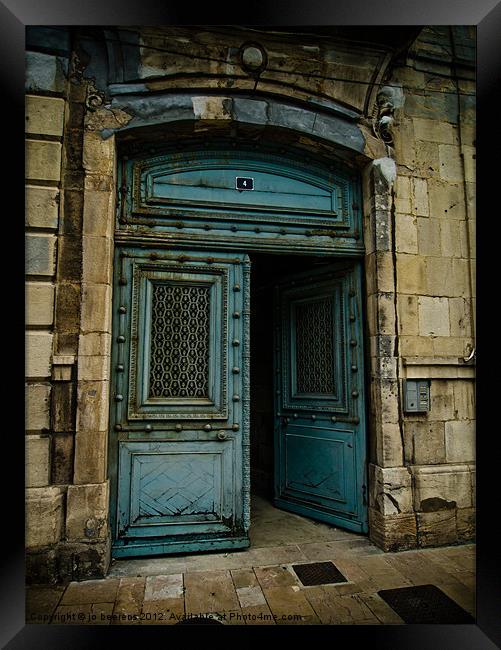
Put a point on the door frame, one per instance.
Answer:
(337, 240)
(92, 430)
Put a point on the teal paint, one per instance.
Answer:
(320, 438)
(179, 441)
(179, 546)
(179, 459)
(295, 204)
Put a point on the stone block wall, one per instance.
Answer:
(45, 117)
(64, 522)
(434, 265)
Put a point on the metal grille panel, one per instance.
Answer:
(179, 365)
(425, 604)
(315, 347)
(318, 573)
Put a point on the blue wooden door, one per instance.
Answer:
(179, 412)
(320, 451)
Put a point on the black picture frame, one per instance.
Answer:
(15, 15)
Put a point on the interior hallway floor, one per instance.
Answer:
(258, 586)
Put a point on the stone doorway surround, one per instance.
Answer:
(87, 530)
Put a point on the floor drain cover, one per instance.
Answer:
(425, 604)
(318, 573)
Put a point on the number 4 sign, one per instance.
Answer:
(243, 183)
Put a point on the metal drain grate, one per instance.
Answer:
(318, 573)
(425, 604)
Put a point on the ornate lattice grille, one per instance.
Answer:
(315, 347)
(179, 361)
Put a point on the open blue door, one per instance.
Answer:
(179, 442)
(320, 453)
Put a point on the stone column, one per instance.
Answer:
(392, 522)
(87, 513)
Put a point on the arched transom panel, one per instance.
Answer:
(243, 194)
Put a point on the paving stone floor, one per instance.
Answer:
(258, 586)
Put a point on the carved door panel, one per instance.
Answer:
(319, 398)
(179, 414)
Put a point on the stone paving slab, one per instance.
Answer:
(41, 602)
(319, 551)
(251, 597)
(163, 587)
(90, 591)
(165, 611)
(244, 578)
(275, 576)
(210, 591)
(334, 609)
(129, 601)
(285, 531)
(454, 558)
(150, 566)
(258, 615)
(420, 569)
(381, 573)
(290, 606)
(101, 613)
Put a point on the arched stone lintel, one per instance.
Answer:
(337, 130)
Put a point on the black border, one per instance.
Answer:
(486, 14)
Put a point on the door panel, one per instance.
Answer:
(176, 486)
(180, 406)
(319, 465)
(319, 402)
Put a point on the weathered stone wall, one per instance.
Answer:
(56, 355)
(45, 119)
(431, 498)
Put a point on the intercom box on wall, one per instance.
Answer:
(416, 395)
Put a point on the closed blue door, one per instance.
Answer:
(320, 453)
(179, 402)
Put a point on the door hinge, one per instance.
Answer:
(364, 494)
